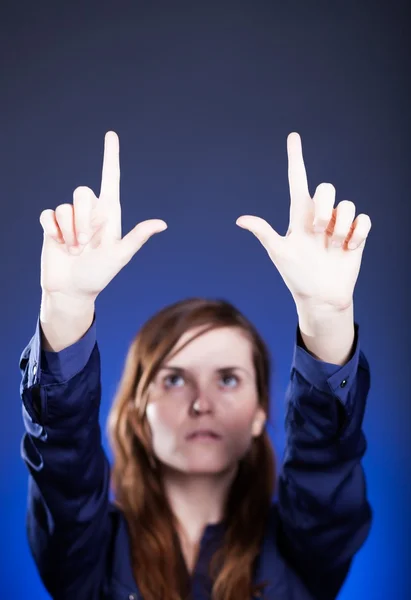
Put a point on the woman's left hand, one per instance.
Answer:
(316, 272)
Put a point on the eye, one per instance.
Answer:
(169, 378)
(171, 381)
(225, 377)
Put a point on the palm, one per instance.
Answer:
(313, 269)
(69, 273)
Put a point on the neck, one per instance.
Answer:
(197, 499)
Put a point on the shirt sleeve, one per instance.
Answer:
(324, 513)
(67, 521)
(57, 367)
(41, 367)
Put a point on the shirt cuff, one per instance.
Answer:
(327, 376)
(58, 367)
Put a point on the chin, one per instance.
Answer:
(207, 465)
(200, 466)
(206, 470)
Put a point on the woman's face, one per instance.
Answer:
(216, 373)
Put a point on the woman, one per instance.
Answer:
(193, 472)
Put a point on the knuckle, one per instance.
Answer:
(80, 190)
(327, 187)
(45, 214)
(347, 204)
(81, 195)
(63, 215)
(63, 208)
(365, 219)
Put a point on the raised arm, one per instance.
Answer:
(68, 520)
(324, 514)
(68, 524)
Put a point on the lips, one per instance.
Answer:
(203, 434)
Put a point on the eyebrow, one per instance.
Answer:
(220, 370)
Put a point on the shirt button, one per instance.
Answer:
(35, 368)
(343, 383)
(131, 597)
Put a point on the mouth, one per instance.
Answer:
(203, 436)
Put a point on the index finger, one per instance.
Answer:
(297, 175)
(110, 178)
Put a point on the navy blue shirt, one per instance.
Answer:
(79, 538)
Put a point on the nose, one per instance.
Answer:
(201, 404)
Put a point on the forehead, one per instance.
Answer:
(228, 345)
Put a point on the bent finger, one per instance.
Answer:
(65, 219)
(83, 198)
(50, 226)
(361, 229)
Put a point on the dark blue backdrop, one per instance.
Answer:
(203, 96)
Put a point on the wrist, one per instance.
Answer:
(64, 320)
(321, 319)
(328, 334)
(57, 302)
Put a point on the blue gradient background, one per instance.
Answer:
(203, 96)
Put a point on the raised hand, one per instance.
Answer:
(82, 247)
(319, 258)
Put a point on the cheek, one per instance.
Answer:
(163, 421)
(238, 426)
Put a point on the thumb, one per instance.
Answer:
(138, 236)
(262, 230)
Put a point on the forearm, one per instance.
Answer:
(64, 320)
(328, 334)
(68, 524)
(63, 446)
(323, 507)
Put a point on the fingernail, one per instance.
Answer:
(352, 245)
(319, 229)
(336, 244)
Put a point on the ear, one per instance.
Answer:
(259, 422)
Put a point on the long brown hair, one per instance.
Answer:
(135, 475)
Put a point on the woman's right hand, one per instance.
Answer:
(82, 268)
